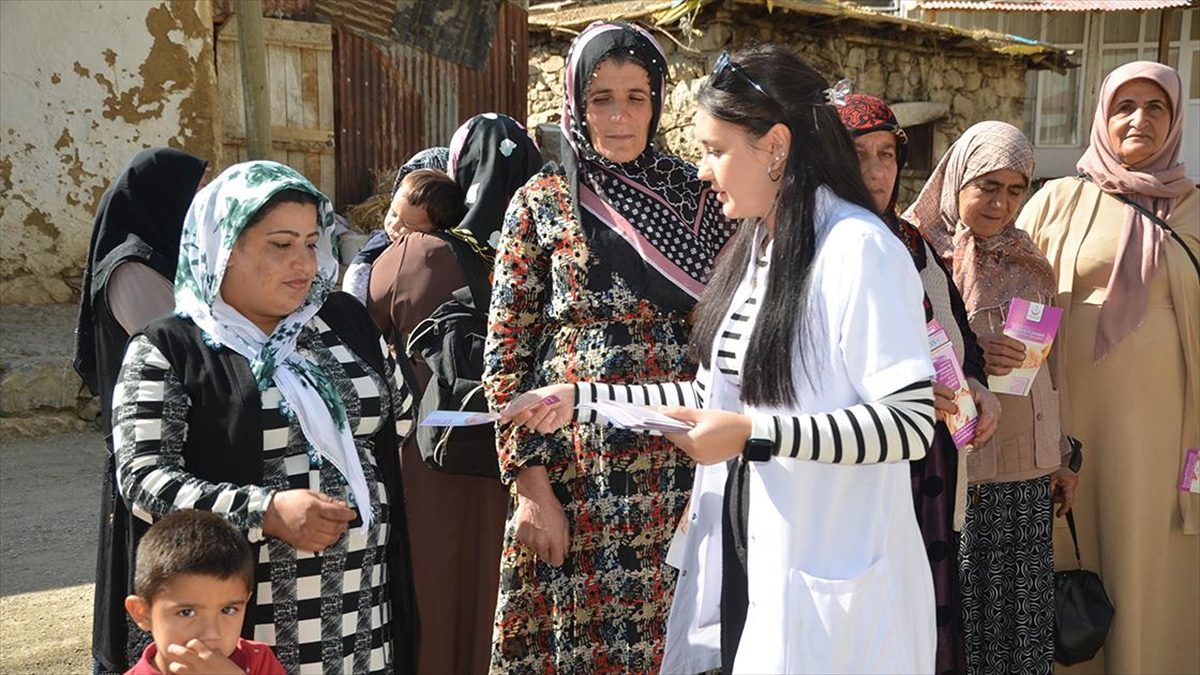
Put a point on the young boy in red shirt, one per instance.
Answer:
(194, 576)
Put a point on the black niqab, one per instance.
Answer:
(140, 218)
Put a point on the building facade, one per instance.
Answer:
(1102, 34)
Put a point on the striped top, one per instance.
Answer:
(898, 427)
(320, 613)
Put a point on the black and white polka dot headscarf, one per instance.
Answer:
(655, 202)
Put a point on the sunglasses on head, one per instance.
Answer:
(724, 63)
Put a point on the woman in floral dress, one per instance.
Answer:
(597, 268)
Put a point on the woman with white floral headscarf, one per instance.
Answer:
(271, 401)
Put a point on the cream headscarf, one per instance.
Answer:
(1157, 183)
(989, 271)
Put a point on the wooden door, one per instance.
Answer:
(300, 83)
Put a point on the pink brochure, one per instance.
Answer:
(1034, 324)
(1189, 480)
(947, 371)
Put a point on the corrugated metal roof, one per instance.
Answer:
(393, 99)
(1053, 5)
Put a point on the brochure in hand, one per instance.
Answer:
(947, 371)
(467, 418)
(635, 417)
(1035, 325)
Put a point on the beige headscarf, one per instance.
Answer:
(989, 271)
(1156, 184)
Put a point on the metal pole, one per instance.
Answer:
(1164, 38)
(253, 51)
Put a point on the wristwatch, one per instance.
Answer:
(758, 450)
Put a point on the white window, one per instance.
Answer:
(881, 6)
(1132, 36)
(1056, 99)
(1052, 100)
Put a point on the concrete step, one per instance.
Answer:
(37, 346)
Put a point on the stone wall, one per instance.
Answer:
(974, 86)
(85, 85)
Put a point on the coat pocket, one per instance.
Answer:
(844, 625)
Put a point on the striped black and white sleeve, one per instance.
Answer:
(895, 428)
(150, 409)
(687, 394)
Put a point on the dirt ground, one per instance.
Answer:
(49, 503)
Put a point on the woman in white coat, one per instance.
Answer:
(802, 552)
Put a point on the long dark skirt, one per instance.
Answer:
(1007, 575)
(933, 482)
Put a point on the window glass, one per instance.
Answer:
(1195, 34)
(1110, 59)
(1065, 27)
(1151, 54)
(1059, 100)
(950, 18)
(1025, 24)
(1194, 89)
(1121, 27)
(878, 4)
(972, 20)
(1153, 20)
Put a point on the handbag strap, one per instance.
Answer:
(1074, 536)
(1157, 221)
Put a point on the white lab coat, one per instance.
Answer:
(838, 577)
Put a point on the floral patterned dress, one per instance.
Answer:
(562, 313)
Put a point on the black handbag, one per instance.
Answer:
(1082, 610)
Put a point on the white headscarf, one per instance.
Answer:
(218, 216)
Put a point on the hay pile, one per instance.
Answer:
(368, 214)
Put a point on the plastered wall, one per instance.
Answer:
(83, 86)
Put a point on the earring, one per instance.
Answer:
(774, 176)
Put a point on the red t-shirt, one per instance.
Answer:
(253, 657)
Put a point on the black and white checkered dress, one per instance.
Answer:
(320, 613)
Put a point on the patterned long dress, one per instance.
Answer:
(561, 313)
(320, 613)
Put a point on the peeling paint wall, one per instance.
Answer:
(83, 86)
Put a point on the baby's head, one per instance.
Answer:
(427, 201)
(193, 580)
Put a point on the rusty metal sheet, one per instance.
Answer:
(393, 100)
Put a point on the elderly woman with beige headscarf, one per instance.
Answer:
(1130, 344)
(966, 211)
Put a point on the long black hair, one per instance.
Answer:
(821, 153)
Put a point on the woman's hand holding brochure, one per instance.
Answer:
(552, 408)
(1001, 353)
(715, 435)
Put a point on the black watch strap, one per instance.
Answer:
(758, 450)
